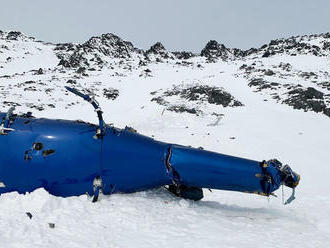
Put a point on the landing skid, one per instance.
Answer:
(185, 192)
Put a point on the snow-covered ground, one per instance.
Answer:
(261, 129)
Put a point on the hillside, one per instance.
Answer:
(262, 103)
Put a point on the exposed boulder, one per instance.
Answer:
(182, 108)
(214, 50)
(13, 35)
(251, 51)
(40, 71)
(111, 93)
(325, 85)
(326, 46)
(261, 84)
(193, 97)
(211, 94)
(72, 82)
(269, 72)
(238, 53)
(184, 55)
(157, 48)
(159, 51)
(307, 99)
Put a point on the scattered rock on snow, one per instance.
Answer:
(51, 225)
(211, 94)
(182, 108)
(184, 55)
(111, 93)
(307, 99)
(262, 84)
(195, 95)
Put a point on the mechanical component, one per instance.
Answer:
(5, 125)
(190, 193)
(97, 188)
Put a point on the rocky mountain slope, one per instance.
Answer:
(262, 103)
(276, 70)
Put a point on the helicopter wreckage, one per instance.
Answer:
(71, 158)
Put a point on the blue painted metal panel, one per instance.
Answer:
(207, 169)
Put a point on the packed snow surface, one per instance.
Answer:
(263, 127)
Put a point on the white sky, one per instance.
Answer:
(178, 24)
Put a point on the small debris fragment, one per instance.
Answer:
(29, 215)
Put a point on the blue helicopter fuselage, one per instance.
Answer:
(65, 157)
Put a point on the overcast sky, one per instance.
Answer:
(178, 24)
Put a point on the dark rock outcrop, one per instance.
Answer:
(184, 55)
(214, 50)
(195, 94)
(157, 48)
(261, 84)
(182, 109)
(293, 46)
(307, 99)
(13, 35)
(93, 51)
(159, 51)
(211, 94)
(109, 45)
(111, 93)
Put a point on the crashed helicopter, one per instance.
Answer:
(71, 158)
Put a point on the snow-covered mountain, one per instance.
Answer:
(262, 103)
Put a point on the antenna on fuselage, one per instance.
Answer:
(100, 131)
(97, 183)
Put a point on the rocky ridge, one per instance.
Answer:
(281, 80)
(91, 54)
